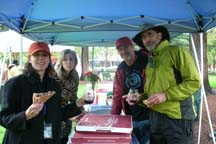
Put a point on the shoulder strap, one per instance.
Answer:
(178, 76)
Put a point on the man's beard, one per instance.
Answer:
(127, 58)
(153, 45)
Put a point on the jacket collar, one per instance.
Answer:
(160, 48)
(34, 78)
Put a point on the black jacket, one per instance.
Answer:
(17, 97)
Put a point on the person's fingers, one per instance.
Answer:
(124, 96)
(33, 110)
(155, 99)
(40, 106)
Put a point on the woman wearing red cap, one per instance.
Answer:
(36, 123)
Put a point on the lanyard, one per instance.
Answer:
(44, 110)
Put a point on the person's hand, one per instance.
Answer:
(87, 98)
(80, 102)
(155, 99)
(133, 98)
(33, 110)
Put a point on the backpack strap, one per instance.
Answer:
(178, 76)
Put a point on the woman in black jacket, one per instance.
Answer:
(35, 123)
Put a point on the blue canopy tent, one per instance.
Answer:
(100, 22)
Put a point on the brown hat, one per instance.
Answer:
(123, 41)
(138, 37)
(38, 46)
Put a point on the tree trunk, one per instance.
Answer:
(196, 38)
(84, 61)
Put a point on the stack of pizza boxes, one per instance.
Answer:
(103, 129)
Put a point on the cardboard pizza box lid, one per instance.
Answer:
(105, 123)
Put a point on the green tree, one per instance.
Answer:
(211, 45)
(181, 40)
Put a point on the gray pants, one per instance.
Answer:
(165, 130)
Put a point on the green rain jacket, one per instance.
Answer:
(160, 78)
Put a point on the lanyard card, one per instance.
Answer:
(47, 131)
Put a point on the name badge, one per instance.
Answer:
(48, 131)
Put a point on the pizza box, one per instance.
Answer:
(105, 123)
(100, 138)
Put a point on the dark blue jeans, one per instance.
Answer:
(141, 132)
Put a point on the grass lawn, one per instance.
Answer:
(212, 81)
(2, 130)
(81, 90)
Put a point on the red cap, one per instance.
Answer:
(38, 46)
(123, 41)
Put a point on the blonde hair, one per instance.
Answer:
(61, 73)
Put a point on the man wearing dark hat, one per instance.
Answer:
(130, 75)
(170, 96)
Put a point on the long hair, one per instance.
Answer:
(61, 73)
(28, 69)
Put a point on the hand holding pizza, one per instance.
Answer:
(38, 102)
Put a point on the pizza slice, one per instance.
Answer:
(146, 102)
(42, 97)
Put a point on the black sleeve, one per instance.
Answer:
(10, 116)
(70, 110)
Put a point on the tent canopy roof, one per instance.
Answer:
(100, 22)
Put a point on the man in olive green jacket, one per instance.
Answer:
(171, 100)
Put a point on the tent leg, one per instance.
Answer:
(203, 90)
(3, 65)
(21, 52)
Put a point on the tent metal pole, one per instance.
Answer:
(37, 27)
(3, 65)
(27, 16)
(193, 12)
(203, 96)
(21, 52)
(202, 89)
(205, 99)
(93, 58)
(10, 55)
